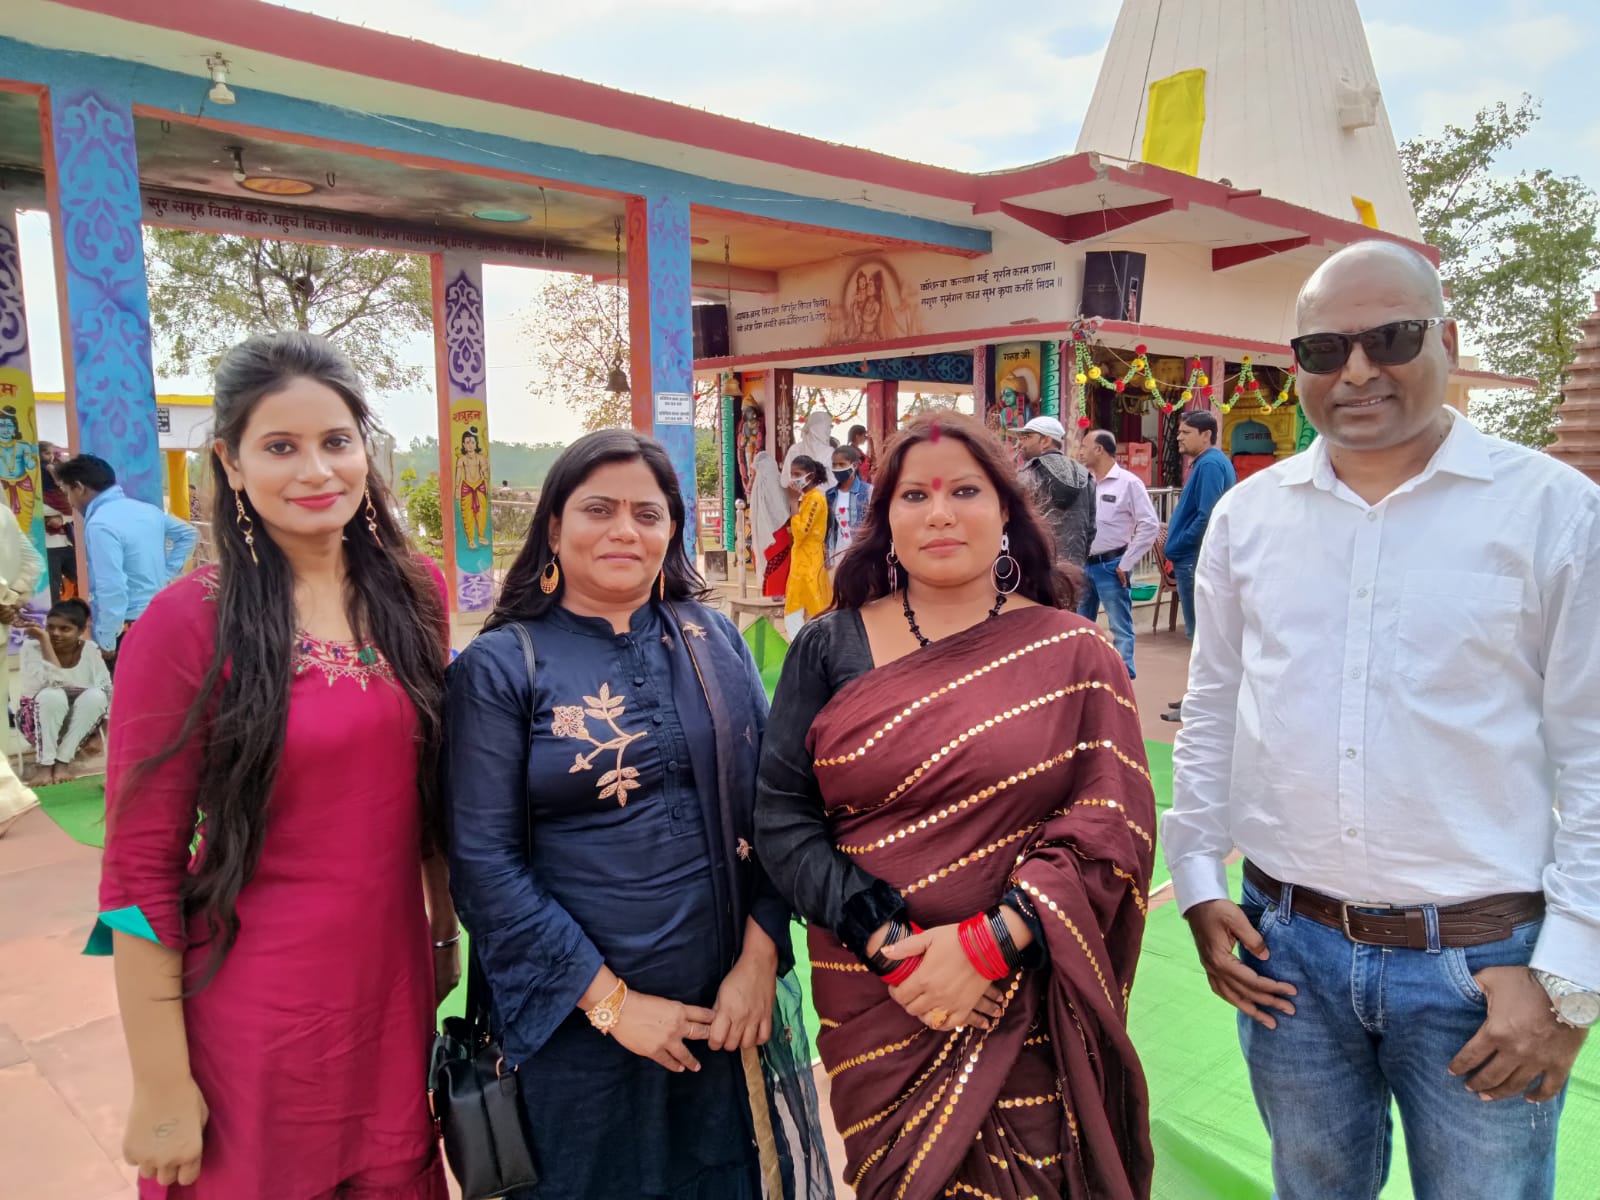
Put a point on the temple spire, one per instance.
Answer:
(1288, 103)
(1578, 417)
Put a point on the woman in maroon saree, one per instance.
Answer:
(950, 747)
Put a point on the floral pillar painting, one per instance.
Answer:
(92, 185)
(659, 301)
(464, 474)
(19, 444)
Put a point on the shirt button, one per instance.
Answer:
(1361, 593)
(656, 719)
(638, 681)
(672, 766)
(1350, 753)
(1372, 516)
(1351, 833)
(1355, 672)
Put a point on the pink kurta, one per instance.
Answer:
(310, 1045)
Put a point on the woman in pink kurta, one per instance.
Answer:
(308, 1037)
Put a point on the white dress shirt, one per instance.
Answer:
(1400, 703)
(1123, 516)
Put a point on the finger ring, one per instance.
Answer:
(937, 1018)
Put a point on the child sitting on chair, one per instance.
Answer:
(68, 685)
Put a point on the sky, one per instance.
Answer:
(960, 83)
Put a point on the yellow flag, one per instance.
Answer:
(1365, 211)
(1175, 122)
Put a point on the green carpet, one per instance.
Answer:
(79, 808)
(1209, 1140)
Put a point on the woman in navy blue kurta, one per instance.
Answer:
(601, 826)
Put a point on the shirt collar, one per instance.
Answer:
(1464, 452)
(114, 492)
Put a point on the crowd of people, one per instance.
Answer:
(1390, 704)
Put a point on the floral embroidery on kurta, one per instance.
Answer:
(569, 722)
(340, 660)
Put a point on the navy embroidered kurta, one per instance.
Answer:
(599, 837)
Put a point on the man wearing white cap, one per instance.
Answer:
(1063, 487)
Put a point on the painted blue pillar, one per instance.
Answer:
(660, 327)
(92, 184)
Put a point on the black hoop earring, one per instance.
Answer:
(894, 575)
(1007, 570)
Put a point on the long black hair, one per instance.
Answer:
(864, 572)
(392, 603)
(521, 597)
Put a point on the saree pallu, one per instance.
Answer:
(1008, 755)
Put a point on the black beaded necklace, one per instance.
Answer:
(911, 617)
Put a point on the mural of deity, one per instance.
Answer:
(19, 463)
(871, 307)
(472, 478)
(751, 439)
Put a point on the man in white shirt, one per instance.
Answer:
(1125, 528)
(1394, 713)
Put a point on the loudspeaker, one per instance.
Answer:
(710, 331)
(1113, 284)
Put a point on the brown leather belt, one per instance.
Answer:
(1474, 923)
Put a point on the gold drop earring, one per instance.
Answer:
(246, 526)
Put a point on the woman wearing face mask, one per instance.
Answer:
(953, 792)
(809, 591)
(280, 713)
(847, 502)
(601, 825)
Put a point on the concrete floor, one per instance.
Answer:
(64, 1083)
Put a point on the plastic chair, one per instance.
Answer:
(1168, 588)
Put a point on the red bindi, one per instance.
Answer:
(935, 432)
(938, 485)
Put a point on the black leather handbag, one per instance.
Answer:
(472, 1093)
(476, 1102)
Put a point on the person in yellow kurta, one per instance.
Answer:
(810, 591)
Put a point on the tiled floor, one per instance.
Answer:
(64, 1085)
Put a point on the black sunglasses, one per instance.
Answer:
(1389, 345)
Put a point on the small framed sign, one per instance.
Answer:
(674, 408)
(163, 419)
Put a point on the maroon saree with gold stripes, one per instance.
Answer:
(1007, 755)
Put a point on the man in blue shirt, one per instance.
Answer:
(135, 549)
(1210, 476)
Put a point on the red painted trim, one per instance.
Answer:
(1116, 332)
(886, 243)
(400, 158)
(1026, 181)
(1081, 227)
(1490, 379)
(320, 42)
(21, 88)
(447, 486)
(1255, 207)
(1224, 257)
(639, 373)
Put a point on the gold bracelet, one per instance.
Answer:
(605, 1015)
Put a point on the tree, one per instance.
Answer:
(574, 323)
(210, 291)
(1519, 255)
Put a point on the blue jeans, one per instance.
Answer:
(1373, 1024)
(1183, 572)
(1101, 586)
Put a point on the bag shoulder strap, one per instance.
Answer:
(477, 981)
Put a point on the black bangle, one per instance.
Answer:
(1002, 937)
(878, 962)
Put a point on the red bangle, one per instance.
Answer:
(907, 967)
(982, 951)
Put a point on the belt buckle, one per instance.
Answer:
(1344, 918)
